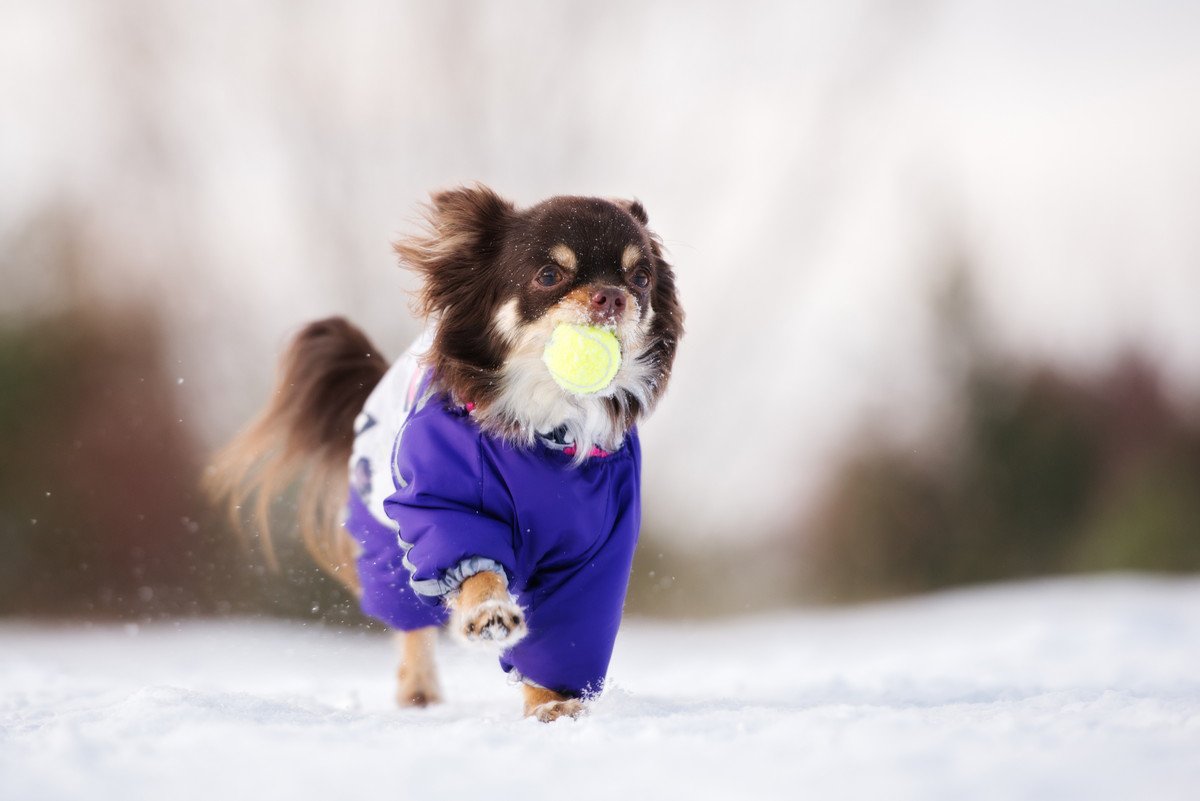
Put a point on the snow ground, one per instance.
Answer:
(1074, 688)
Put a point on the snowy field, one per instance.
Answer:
(1080, 688)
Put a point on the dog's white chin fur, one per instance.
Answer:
(531, 401)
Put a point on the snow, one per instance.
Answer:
(1072, 688)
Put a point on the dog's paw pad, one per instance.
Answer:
(553, 710)
(493, 621)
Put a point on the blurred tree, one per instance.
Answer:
(1043, 473)
(100, 512)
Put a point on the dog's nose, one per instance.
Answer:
(608, 302)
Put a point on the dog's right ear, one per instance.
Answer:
(473, 214)
(464, 229)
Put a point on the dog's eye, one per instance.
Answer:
(548, 276)
(640, 278)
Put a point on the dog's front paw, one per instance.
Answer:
(548, 706)
(553, 710)
(492, 621)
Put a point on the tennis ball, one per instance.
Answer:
(583, 359)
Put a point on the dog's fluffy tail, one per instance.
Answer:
(301, 442)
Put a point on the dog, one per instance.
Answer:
(480, 493)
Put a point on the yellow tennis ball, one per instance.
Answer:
(583, 359)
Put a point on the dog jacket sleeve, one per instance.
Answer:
(450, 526)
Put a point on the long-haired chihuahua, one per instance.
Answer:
(472, 483)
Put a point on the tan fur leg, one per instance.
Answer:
(547, 705)
(418, 685)
(485, 612)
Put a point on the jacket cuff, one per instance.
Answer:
(453, 578)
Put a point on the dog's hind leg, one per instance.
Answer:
(418, 681)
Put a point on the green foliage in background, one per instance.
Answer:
(100, 511)
(1044, 474)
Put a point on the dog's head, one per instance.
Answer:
(499, 279)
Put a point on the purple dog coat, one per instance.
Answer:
(456, 501)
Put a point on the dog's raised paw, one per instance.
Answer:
(493, 621)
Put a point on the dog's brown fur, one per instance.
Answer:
(304, 437)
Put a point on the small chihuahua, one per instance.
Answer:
(479, 492)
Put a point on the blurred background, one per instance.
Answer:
(941, 263)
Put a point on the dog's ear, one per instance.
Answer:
(469, 215)
(666, 327)
(635, 209)
(464, 230)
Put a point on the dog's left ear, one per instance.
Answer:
(666, 328)
(635, 209)
(469, 215)
(464, 229)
